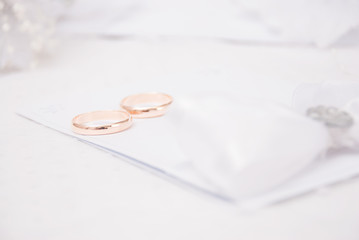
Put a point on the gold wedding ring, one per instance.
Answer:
(146, 105)
(119, 121)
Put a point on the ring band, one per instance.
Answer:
(146, 105)
(120, 120)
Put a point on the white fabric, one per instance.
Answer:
(246, 147)
(320, 22)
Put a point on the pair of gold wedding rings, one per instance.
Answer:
(144, 105)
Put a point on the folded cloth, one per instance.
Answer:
(246, 147)
(320, 22)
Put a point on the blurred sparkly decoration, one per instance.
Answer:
(26, 30)
(331, 116)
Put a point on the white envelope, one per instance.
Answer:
(159, 145)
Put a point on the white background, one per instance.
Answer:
(54, 187)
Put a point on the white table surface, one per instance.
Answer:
(55, 187)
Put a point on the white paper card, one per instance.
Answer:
(153, 144)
